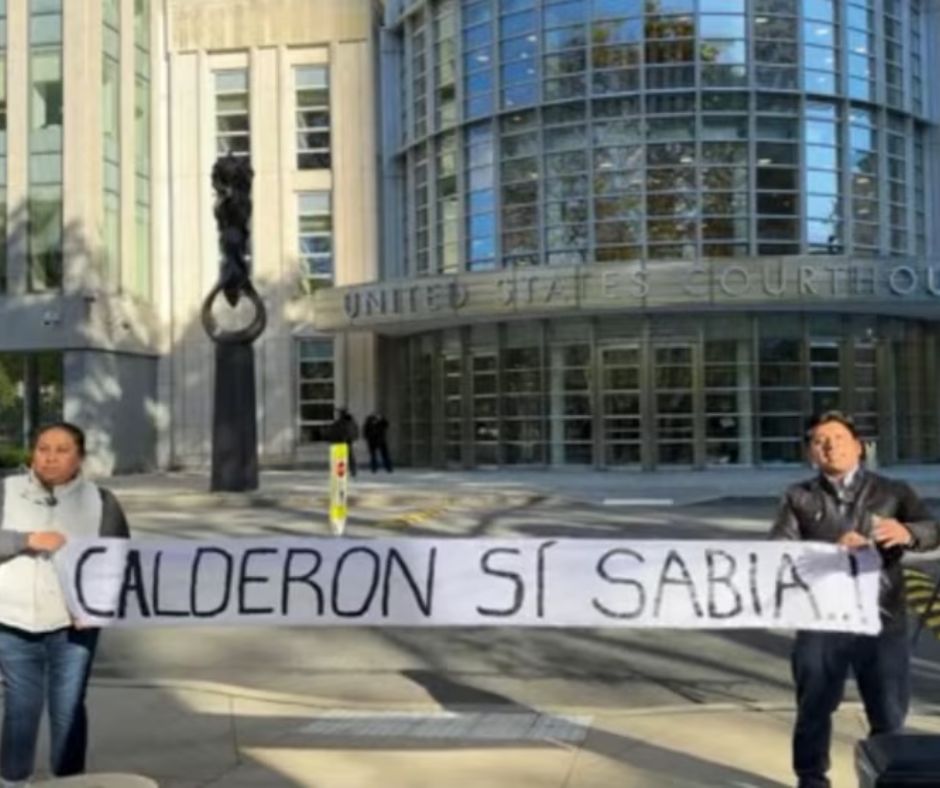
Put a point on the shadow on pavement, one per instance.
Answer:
(672, 765)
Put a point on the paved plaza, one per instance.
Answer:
(467, 708)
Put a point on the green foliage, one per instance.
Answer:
(8, 387)
(13, 456)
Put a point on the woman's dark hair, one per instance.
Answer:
(77, 433)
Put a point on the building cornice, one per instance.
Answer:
(904, 287)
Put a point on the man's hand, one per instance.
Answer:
(853, 540)
(889, 532)
(45, 541)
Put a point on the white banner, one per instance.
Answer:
(471, 582)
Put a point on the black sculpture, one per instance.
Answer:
(234, 427)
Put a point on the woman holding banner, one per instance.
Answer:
(44, 656)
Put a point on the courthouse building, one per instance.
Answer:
(590, 233)
(656, 233)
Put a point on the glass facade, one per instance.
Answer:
(574, 133)
(663, 391)
(541, 132)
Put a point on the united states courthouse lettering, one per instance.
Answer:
(628, 285)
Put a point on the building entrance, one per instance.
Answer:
(663, 392)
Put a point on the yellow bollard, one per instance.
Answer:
(339, 482)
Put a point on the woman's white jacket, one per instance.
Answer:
(31, 598)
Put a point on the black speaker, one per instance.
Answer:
(898, 760)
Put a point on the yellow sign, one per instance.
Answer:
(339, 480)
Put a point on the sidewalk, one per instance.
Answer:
(227, 737)
(370, 725)
(290, 488)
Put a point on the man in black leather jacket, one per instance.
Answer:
(851, 506)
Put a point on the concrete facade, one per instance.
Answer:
(93, 314)
(269, 41)
(138, 237)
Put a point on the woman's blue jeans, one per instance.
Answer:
(39, 669)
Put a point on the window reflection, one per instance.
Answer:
(819, 82)
(667, 137)
(822, 58)
(822, 181)
(721, 26)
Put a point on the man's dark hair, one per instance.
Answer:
(837, 417)
(77, 433)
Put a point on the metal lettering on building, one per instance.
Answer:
(641, 285)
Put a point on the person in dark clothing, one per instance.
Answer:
(853, 507)
(344, 429)
(375, 432)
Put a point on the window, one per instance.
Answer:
(673, 403)
(520, 189)
(485, 413)
(3, 99)
(316, 387)
(112, 12)
(864, 163)
(781, 379)
(45, 236)
(111, 107)
(140, 282)
(315, 237)
(418, 397)
(452, 370)
(30, 394)
(865, 389)
(620, 404)
(422, 211)
(111, 143)
(44, 202)
(519, 52)
(3, 149)
(571, 426)
(313, 117)
(46, 94)
(447, 203)
(233, 132)
(445, 65)
(522, 401)
(480, 230)
(727, 370)
(824, 363)
(417, 44)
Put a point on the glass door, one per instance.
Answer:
(453, 411)
(620, 403)
(522, 419)
(485, 409)
(673, 404)
(570, 419)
